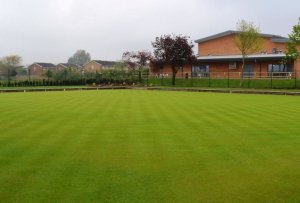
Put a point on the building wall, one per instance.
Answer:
(166, 71)
(221, 69)
(225, 46)
(92, 67)
(297, 68)
(60, 67)
(35, 69)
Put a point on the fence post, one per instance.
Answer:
(208, 79)
(147, 80)
(228, 78)
(271, 79)
(249, 79)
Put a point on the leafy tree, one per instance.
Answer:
(48, 74)
(120, 65)
(9, 64)
(67, 74)
(22, 71)
(292, 52)
(137, 60)
(173, 50)
(248, 41)
(80, 57)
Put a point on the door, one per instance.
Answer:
(248, 70)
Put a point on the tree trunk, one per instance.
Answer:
(242, 74)
(140, 75)
(173, 78)
(8, 75)
(174, 72)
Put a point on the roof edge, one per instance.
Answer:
(277, 38)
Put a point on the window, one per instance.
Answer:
(278, 69)
(200, 71)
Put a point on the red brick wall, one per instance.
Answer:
(35, 69)
(166, 70)
(225, 46)
(92, 67)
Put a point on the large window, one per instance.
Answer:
(200, 71)
(278, 69)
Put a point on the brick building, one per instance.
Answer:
(219, 56)
(37, 69)
(98, 65)
(73, 67)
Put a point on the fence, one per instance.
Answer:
(280, 80)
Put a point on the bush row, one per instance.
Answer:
(90, 81)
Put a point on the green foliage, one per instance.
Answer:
(22, 71)
(227, 83)
(121, 65)
(114, 73)
(248, 39)
(80, 57)
(48, 74)
(9, 66)
(67, 74)
(137, 61)
(292, 52)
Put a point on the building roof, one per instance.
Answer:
(69, 65)
(46, 65)
(105, 63)
(239, 57)
(275, 38)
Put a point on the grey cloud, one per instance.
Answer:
(51, 31)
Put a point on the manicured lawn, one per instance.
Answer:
(149, 146)
(43, 87)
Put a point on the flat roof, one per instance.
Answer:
(240, 57)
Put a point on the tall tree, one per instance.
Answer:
(173, 50)
(292, 52)
(80, 57)
(248, 41)
(137, 60)
(9, 64)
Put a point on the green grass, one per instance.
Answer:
(43, 87)
(149, 146)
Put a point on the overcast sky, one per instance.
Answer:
(52, 30)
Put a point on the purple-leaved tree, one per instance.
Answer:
(137, 60)
(173, 50)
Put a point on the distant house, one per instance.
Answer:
(98, 65)
(40, 68)
(73, 67)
